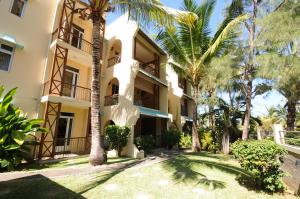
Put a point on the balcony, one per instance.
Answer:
(111, 100)
(113, 61)
(75, 40)
(150, 68)
(58, 88)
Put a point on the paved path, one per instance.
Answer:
(86, 170)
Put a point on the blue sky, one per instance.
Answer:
(260, 103)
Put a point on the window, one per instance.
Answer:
(115, 89)
(6, 54)
(18, 7)
(77, 36)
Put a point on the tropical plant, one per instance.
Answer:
(145, 142)
(185, 141)
(171, 138)
(262, 159)
(141, 10)
(192, 47)
(117, 137)
(15, 132)
(280, 54)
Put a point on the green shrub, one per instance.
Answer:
(261, 158)
(145, 143)
(185, 140)
(207, 141)
(171, 138)
(117, 137)
(292, 138)
(15, 132)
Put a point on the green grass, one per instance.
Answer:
(80, 161)
(188, 176)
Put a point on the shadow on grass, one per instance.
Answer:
(186, 170)
(37, 186)
(67, 162)
(102, 178)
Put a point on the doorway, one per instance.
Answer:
(77, 36)
(70, 82)
(64, 132)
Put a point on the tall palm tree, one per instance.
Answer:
(193, 47)
(142, 10)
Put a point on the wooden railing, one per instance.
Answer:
(150, 68)
(113, 61)
(111, 100)
(73, 145)
(67, 90)
(67, 36)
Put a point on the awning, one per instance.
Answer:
(11, 40)
(188, 119)
(152, 112)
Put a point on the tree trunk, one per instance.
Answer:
(97, 154)
(247, 111)
(291, 115)
(195, 136)
(249, 70)
(225, 142)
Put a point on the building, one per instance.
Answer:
(139, 88)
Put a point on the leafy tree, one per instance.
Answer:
(15, 131)
(117, 137)
(193, 47)
(140, 10)
(279, 57)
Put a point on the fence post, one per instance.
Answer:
(278, 133)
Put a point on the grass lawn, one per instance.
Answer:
(80, 161)
(200, 175)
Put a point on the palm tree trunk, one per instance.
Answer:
(97, 155)
(247, 111)
(249, 71)
(291, 114)
(225, 142)
(195, 136)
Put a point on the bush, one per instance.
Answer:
(117, 137)
(171, 138)
(292, 138)
(145, 143)
(185, 140)
(207, 141)
(261, 158)
(15, 132)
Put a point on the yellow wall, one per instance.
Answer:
(33, 31)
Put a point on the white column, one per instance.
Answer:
(278, 133)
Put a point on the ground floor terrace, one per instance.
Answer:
(69, 129)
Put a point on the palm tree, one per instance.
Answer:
(193, 47)
(141, 10)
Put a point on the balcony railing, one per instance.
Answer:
(290, 138)
(72, 39)
(59, 88)
(113, 61)
(111, 100)
(67, 146)
(150, 68)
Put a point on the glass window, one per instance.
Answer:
(6, 54)
(18, 7)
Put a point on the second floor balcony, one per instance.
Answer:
(63, 89)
